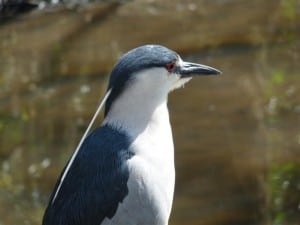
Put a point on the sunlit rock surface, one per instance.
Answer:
(237, 136)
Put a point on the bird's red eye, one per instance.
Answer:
(170, 66)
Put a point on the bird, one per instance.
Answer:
(123, 172)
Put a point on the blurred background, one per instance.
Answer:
(237, 136)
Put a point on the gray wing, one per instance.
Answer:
(96, 182)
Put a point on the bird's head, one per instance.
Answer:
(152, 71)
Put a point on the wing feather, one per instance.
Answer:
(96, 182)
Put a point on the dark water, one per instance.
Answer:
(237, 136)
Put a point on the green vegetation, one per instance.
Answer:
(284, 190)
(289, 9)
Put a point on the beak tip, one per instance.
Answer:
(218, 72)
(211, 71)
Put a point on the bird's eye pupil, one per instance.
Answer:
(170, 66)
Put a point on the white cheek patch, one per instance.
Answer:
(178, 81)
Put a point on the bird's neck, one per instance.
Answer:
(136, 113)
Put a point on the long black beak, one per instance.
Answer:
(188, 69)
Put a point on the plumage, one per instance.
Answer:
(82, 200)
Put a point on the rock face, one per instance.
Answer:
(229, 131)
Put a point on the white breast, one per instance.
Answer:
(152, 175)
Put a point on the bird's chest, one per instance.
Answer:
(154, 157)
(152, 177)
(154, 150)
(151, 169)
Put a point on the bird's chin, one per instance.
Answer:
(180, 83)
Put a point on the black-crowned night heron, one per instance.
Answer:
(123, 172)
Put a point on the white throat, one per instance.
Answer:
(141, 106)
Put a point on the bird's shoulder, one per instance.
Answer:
(105, 141)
